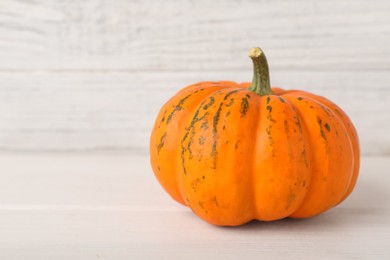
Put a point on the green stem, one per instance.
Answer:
(260, 83)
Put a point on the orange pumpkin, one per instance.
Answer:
(237, 152)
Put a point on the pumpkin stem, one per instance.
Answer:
(260, 83)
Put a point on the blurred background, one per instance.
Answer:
(92, 75)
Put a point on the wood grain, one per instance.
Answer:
(109, 206)
(82, 75)
(193, 35)
(76, 111)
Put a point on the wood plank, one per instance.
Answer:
(108, 206)
(188, 35)
(80, 181)
(78, 111)
(167, 235)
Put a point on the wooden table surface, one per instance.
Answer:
(109, 206)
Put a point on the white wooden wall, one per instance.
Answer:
(92, 74)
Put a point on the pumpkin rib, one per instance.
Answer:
(305, 128)
(354, 150)
(194, 118)
(160, 157)
(188, 121)
(352, 134)
(328, 183)
(279, 195)
(246, 137)
(307, 146)
(203, 174)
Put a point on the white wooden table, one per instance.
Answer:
(109, 206)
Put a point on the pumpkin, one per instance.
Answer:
(238, 152)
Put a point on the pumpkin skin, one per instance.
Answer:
(232, 155)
